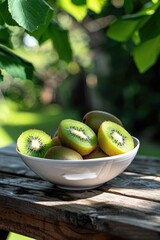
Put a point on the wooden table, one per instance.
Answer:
(127, 207)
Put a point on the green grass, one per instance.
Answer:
(15, 236)
(13, 122)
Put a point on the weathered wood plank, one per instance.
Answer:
(135, 185)
(3, 234)
(128, 205)
(43, 228)
(79, 208)
(145, 165)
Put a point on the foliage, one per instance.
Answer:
(134, 23)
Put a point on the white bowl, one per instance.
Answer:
(80, 174)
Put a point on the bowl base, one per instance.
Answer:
(78, 188)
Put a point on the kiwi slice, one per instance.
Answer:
(77, 135)
(113, 139)
(62, 153)
(34, 142)
(95, 118)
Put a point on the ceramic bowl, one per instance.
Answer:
(80, 174)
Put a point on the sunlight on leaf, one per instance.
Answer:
(146, 54)
(96, 5)
(29, 14)
(78, 11)
(151, 28)
(122, 30)
(15, 65)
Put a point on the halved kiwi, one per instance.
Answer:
(113, 139)
(95, 118)
(77, 135)
(62, 153)
(34, 142)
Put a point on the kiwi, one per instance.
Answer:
(56, 141)
(113, 139)
(77, 135)
(34, 142)
(95, 118)
(97, 153)
(63, 153)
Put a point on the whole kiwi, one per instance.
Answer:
(62, 153)
(56, 141)
(34, 142)
(77, 135)
(113, 139)
(97, 153)
(95, 118)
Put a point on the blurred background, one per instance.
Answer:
(77, 68)
(80, 70)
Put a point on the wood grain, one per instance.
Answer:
(127, 206)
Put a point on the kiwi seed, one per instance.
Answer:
(77, 135)
(34, 142)
(114, 139)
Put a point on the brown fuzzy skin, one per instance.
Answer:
(97, 153)
(56, 141)
(95, 118)
(62, 153)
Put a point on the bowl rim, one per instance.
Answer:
(109, 158)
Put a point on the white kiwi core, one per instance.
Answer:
(79, 133)
(36, 144)
(118, 137)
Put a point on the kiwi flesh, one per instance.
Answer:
(95, 118)
(77, 135)
(113, 139)
(34, 142)
(62, 153)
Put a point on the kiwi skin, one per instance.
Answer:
(77, 135)
(56, 141)
(95, 118)
(113, 139)
(34, 142)
(62, 153)
(97, 153)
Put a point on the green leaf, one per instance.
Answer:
(145, 55)
(151, 28)
(38, 34)
(96, 5)
(147, 10)
(6, 15)
(1, 76)
(77, 9)
(60, 41)
(29, 14)
(121, 30)
(5, 37)
(1, 1)
(15, 65)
